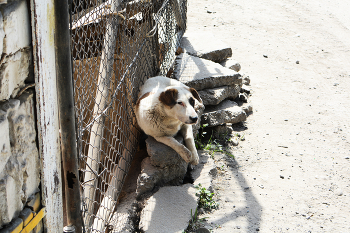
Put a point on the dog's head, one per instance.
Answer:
(180, 103)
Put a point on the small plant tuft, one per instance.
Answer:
(205, 199)
(207, 141)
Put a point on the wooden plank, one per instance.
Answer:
(43, 21)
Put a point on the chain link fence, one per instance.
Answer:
(116, 46)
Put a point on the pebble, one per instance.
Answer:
(297, 62)
(246, 80)
(338, 192)
(265, 56)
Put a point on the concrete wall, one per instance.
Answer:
(19, 157)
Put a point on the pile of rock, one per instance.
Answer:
(223, 94)
(223, 90)
(204, 65)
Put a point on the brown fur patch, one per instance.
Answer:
(195, 94)
(169, 97)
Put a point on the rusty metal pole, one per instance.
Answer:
(67, 116)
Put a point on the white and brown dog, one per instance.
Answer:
(165, 107)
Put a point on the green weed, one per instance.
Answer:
(205, 198)
(207, 142)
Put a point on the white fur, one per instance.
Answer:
(162, 121)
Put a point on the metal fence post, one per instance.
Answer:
(67, 116)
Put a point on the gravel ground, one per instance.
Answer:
(291, 174)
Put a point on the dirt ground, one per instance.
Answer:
(291, 174)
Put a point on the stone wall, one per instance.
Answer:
(19, 157)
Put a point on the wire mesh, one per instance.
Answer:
(116, 46)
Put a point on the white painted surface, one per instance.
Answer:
(16, 26)
(48, 124)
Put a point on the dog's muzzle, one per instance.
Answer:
(193, 120)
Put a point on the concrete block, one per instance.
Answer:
(164, 166)
(162, 155)
(205, 45)
(221, 131)
(16, 26)
(202, 74)
(226, 112)
(14, 227)
(214, 96)
(14, 70)
(152, 176)
(5, 148)
(169, 209)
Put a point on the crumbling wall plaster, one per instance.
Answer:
(19, 157)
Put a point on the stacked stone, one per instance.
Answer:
(206, 66)
(223, 95)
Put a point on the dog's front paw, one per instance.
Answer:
(195, 158)
(186, 155)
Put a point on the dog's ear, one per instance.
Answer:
(196, 95)
(169, 97)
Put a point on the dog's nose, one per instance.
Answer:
(193, 119)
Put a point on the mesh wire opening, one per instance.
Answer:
(116, 46)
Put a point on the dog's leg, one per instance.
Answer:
(178, 147)
(187, 133)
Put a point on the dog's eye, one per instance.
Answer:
(181, 103)
(191, 102)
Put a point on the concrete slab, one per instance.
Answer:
(204, 172)
(205, 45)
(202, 74)
(226, 112)
(214, 96)
(169, 209)
(122, 219)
